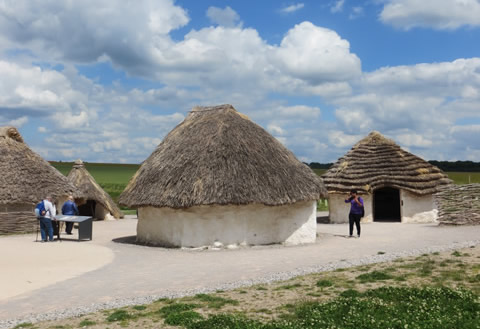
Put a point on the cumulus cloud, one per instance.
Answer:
(437, 14)
(316, 55)
(292, 8)
(225, 17)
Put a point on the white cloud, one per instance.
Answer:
(356, 12)
(292, 8)
(316, 55)
(18, 122)
(337, 6)
(225, 17)
(437, 14)
(42, 130)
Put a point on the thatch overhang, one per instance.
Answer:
(88, 188)
(218, 156)
(376, 162)
(25, 176)
(459, 205)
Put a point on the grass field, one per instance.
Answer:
(113, 178)
(431, 291)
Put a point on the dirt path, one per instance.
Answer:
(136, 271)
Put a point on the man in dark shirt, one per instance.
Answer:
(69, 208)
(356, 211)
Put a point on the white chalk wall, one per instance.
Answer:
(339, 210)
(418, 209)
(100, 211)
(413, 209)
(230, 225)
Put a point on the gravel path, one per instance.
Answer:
(139, 274)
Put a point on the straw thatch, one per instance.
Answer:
(88, 188)
(25, 179)
(376, 162)
(459, 205)
(218, 156)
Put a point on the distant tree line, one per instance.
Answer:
(462, 166)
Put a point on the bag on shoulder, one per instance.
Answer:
(363, 212)
(40, 209)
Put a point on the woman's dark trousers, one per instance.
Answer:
(354, 218)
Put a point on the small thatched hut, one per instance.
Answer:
(395, 184)
(459, 205)
(92, 200)
(219, 177)
(25, 179)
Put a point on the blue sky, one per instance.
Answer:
(106, 80)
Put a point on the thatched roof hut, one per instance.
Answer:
(91, 197)
(376, 166)
(217, 157)
(25, 180)
(459, 205)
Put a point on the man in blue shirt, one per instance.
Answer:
(356, 211)
(69, 208)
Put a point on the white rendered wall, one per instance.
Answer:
(100, 211)
(418, 209)
(339, 210)
(230, 225)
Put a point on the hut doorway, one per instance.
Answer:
(386, 205)
(88, 208)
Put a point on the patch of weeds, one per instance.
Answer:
(427, 268)
(399, 260)
(381, 253)
(340, 270)
(176, 308)
(474, 279)
(314, 294)
(364, 268)
(23, 325)
(390, 269)
(350, 293)
(324, 283)
(374, 276)
(219, 291)
(436, 253)
(139, 307)
(119, 315)
(215, 301)
(186, 318)
(389, 307)
(86, 323)
(452, 275)
(456, 253)
(264, 310)
(162, 300)
(261, 288)
(289, 286)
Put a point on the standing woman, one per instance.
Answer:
(356, 211)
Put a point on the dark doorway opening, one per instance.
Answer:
(88, 208)
(386, 205)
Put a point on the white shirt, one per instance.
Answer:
(51, 210)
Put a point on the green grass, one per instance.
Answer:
(215, 301)
(464, 177)
(374, 276)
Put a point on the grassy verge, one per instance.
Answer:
(439, 290)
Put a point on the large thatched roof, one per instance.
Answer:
(219, 156)
(459, 205)
(89, 189)
(376, 162)
(26, 177)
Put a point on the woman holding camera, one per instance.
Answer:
(356, 211)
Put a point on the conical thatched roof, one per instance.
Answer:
(376, 162)
(26, 177)
(89, 189)
(219, 156)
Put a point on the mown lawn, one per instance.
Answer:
(431, 291)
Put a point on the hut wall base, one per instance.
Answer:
(230, 225)
(418, 209)
(339, 210)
